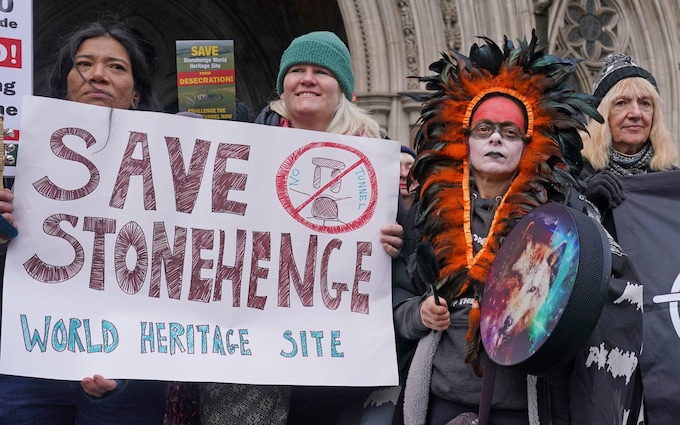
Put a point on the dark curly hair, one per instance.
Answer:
(141, 67)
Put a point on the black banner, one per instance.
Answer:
(648, 229)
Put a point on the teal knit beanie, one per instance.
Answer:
(321, 48)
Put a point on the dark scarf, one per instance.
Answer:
(627, 165)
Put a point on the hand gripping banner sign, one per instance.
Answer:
(648, 230)
(157, 246)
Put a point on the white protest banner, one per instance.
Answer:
(157, 246)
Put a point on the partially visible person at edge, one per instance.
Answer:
(316, 85)
(634, 138)
(406, 187)
(101, 63)
(499, 137)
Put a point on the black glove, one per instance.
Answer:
(605, 190)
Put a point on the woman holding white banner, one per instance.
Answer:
(316, 86)
(103, 64)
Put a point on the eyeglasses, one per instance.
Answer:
(507, 130)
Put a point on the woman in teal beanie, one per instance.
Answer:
(315, 85)
(318, 71)
(322, 48)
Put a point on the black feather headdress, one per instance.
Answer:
(550, 162)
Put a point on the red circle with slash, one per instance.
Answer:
(318, 207)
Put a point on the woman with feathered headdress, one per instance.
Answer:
(499, 137)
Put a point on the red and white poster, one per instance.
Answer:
(16, 71)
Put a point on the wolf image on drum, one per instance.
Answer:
(523, 297)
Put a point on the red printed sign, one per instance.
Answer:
(10, 53)
(202, 78)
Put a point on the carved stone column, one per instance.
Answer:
(380, 104)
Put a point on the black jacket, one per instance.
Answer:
(587, 390)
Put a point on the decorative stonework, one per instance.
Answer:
(364, 43)
(410, 40)
(451, 28)
(541, 6)
(380, 106)
(591, 30)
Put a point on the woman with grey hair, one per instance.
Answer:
(633, 139)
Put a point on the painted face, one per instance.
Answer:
(102, 75)
(630, 121)
(311, 95)
(496, 140)
(406, 162)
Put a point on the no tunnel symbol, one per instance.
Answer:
(328, 187)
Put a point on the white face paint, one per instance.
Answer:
(496, 156)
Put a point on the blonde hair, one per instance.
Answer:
(348, 119)
(596, 145)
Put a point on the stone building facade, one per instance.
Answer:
(390, 40)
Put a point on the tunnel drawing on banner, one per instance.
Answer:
(325, 207)
(328, 187)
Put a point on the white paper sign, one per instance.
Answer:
(157, 246)
(16, 73)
